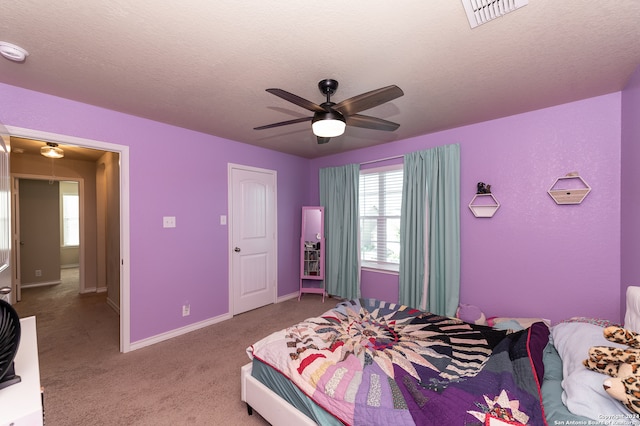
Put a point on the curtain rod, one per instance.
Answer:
(381, 159)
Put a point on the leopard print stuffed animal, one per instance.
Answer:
(623, 365)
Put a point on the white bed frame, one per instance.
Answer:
(270, 405)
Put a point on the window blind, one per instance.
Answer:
(380, 201)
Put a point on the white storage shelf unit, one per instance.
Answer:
(484, 205)
(570, 189)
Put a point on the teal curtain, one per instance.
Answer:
(430, 230)
(339, 197)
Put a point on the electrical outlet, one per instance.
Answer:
(186, 310)
(38, 272)
(169, 222)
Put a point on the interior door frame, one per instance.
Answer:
(230, 241)
(125, 255)
(15, 222)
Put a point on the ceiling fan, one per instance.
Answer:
(330, 119)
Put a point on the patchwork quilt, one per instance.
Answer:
(369, 362)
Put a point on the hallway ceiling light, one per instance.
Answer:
(51, 150)
(13, 52)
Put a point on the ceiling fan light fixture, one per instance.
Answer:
(328, 124)
(51, 150)
(330, 119)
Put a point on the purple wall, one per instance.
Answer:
(630, 212)
(173, 172)
(533, 258)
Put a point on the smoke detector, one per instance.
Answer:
(13, 52)
(482, 11)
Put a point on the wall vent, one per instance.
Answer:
(483, 11)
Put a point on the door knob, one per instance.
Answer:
(237, 249)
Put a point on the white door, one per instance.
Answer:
(252, 221)
(5, 217)
(17, 280)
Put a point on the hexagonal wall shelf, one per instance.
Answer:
(484, 205)
(575, 191)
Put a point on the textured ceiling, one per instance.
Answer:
(205, 64)
(32, 147)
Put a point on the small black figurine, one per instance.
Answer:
(483, 188)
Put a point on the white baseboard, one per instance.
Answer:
(42, 284)
(113, 305)
(94, 290)
(189, 328)
(178, 332)
(287, 297)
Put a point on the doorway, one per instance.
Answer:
(118, 220)
(252, 227)
(47, 232)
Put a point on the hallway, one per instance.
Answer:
(65, 315)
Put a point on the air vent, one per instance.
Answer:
(483, 11)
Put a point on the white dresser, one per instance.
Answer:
(21, 404)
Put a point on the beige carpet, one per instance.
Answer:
(192, 379)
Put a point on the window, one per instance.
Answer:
(380, 202)
(70, 220)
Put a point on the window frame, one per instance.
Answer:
(64, 218)
(379, 265)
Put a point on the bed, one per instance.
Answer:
(369, 362)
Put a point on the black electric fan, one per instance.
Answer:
(9, 342)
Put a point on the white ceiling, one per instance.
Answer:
(205, 64)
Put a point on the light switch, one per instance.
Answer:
(169, 222)
(223, 220)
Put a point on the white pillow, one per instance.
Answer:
(583, 393)
(632, 316)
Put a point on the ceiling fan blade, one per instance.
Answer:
(322, 140)
(368, 100)
(368, 122)
(296, 100)
(284, 123)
